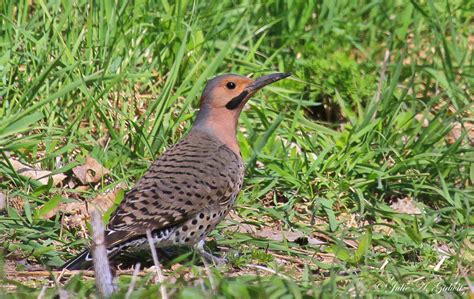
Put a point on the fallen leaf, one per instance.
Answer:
(91, 172)
(290, 236)
(271, 233)
(423, 120)
(41, 176)
(104, 201)
(405, 205)
(457, 131)
(276, 235)
(467, 251)
(16, 202)
(351, 243)
(3, 201)
(270, 197)
(83, 208)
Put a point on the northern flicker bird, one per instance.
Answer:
(193, 185)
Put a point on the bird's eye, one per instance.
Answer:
(230, 85)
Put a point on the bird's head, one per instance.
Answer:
(224, 98)
(231, 92)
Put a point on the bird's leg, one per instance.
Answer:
(199, 247)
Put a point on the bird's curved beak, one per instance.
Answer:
(264, 81)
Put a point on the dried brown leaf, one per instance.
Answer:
(405, 205)
(91, 172)
(290, 236)
(16, 202)
(423, 120)
(3, 201)
(39, 175)
(457, 131)
(467, 251)
(82, 209)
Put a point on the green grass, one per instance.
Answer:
(327, 151)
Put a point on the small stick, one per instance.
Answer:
(103, 275)
(440, 263)
(63, 294)
(382, 78)
(268, 270)
(209, 274)
(385, 263)
(159, 274)
(42, 294)
(468, 282)
(134, 280)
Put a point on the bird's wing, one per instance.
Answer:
(193, 176)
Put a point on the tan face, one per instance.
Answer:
(226, 89)
(233, 91)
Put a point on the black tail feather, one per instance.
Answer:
(81, 262)
(119, 243)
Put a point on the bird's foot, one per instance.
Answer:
(217, 261)
(210, 258)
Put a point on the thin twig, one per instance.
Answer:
(65, 273)
(61, 274)
(440, 263)
(385, 263)
(268, 270)
(103, 275)
(42, 294)
(63, 294)
(134, 280)
(382, 78)
(159, 274)
(209, 274)
(468, 281)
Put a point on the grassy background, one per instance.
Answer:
(379, 109)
